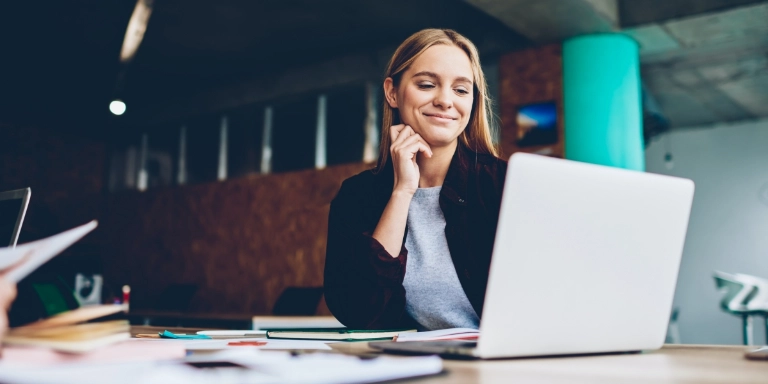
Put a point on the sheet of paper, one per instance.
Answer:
(25, 258)
(260, 367)
(125, 351)
(216, 344)
(325, 367)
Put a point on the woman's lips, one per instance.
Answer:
(440, 117)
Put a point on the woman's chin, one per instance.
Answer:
(440, 142)
(438, 137)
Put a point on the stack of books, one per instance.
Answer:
(78, 331)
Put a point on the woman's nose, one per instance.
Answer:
(443, 98)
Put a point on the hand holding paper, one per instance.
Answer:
(17, 263)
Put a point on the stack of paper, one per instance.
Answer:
(441, 334)
(337, 334)
(72, 332)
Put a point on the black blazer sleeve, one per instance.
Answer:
(363, 282)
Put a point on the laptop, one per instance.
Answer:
(13, 207)
(585, 261)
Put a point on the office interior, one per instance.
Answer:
(208, 138)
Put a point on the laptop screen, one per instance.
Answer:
(12, 207)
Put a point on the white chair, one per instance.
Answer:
(758, 304)
(744, 296)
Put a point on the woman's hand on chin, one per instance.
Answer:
(405, 145)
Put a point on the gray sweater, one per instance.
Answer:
(433, 295)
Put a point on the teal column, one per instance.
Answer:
(603, 114)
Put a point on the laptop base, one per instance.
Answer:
(453, 349)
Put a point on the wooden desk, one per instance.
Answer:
(671, 364)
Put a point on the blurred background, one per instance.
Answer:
(209, 137)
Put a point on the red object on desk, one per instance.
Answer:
(248, 343)
(126, 294)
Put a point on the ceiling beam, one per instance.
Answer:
(546, 21)
(633, 13)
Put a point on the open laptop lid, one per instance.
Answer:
(585, 260)
(13, 207)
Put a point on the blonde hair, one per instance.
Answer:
(478, 135)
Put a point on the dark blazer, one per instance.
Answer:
(364, 283)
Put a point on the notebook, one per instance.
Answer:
(337, 334)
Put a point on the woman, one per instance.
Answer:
(409, 243)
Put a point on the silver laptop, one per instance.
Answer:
(585, 261)
(13, 207)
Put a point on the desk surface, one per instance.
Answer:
(671, 364)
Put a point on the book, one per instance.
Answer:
(441, 334)
(70, 346)
(336, 334)
(71, 331)
(75, 331)
(291, 322)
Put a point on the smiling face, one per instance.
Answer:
(435, 94)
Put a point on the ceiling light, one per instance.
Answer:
(117, 107)
(137, 25)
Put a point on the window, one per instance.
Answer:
(202, 155)
(294, 126)
(314, 130)
(245, 134)
(345, 119)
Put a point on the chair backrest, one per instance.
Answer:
(759, 298)
(298, 301)
(736, 293)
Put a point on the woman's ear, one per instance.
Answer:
(390, 92)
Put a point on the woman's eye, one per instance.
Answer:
(425, 86)
(462, 91)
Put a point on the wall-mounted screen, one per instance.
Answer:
(537, 124)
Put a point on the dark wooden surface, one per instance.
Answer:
(181, 319)
(240, 241)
